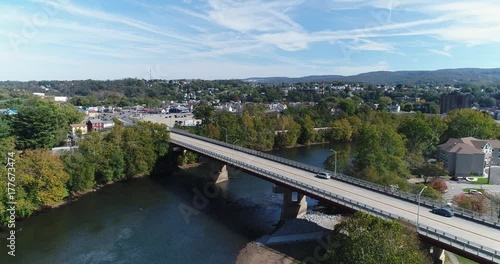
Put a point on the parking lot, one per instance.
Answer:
(170, 119)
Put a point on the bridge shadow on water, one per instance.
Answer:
(246, 207)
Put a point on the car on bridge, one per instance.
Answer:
(324, 175)
(443, 211)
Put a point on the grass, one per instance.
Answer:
(478, 179)
(463, 260)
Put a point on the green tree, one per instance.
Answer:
(5, 127)
(433, 108)
(470, 123)
(381, 157)
(342, 160)
(342, 130)
(43, 124)
(290, 137)
(383, 102)
(307, 134)
(81, 172)
(367, 239)
(348, 106)
(419, 135)
(430, 169)
(205, 112)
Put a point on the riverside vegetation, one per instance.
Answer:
(45, 180)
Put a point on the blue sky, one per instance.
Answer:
(220, 39)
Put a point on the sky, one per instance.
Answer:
(226, 39)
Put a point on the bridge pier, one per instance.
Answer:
(291, 208)
(437, 254)
(217, 171)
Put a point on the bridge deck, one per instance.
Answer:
(465, 230)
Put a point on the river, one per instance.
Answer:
(140, 221)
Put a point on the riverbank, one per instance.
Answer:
(255, 252)
(293, 242)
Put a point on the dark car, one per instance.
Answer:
(443, 211)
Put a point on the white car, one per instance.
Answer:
(324, 175)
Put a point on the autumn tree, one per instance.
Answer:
(41, 177)
(439, 185)
(495, 202)
(477, 203)
(367, 239)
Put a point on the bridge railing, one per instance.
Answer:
(454, 241)
(467, 214)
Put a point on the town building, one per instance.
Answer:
(98, 124)
(465, 156)
(83, 128)
(450, 102)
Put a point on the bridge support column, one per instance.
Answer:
(218, 171)
(291, 208)
(438, 255)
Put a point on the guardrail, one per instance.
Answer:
(467, 214)
(454, 241)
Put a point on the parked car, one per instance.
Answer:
(475, 192)
(443, 211)
(324, 175)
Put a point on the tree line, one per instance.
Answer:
(391, 148)
(44, 179)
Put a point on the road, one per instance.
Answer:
(480, 234)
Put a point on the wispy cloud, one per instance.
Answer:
(445, 51)
(245, 34)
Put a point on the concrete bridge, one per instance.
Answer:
(466, 234)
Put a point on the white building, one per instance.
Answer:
(61, 99)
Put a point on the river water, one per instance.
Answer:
(158, 221)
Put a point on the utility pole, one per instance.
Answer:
(418, 207)
(489, 172)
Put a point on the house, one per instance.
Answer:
(98, 124)
(61, 99)
(466, 156)
(92, 113)
(394, 108)
(79, 127)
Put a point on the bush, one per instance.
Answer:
(476, 203)
(439, 185)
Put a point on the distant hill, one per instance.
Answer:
(439, 77)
